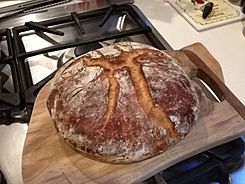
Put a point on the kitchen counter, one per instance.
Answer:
(226, 43)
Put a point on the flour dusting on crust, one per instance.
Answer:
(96, 104)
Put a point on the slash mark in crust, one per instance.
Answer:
(129, 60)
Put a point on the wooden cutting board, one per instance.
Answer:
(48, 159)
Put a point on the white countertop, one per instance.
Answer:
(226, 43)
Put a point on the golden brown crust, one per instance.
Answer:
(122, 103)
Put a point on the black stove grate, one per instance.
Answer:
(104, 14)
(10, 96)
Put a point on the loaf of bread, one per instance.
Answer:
(122, 103)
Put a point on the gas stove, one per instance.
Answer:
(36, 45)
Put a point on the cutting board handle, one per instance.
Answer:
(219, 87)
(206, 57)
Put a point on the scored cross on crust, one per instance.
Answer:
(128, 61)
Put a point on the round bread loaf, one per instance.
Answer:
(122, 103)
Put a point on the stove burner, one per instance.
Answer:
(86, 48)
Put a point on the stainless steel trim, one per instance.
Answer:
(24, 5)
